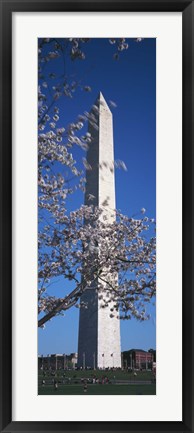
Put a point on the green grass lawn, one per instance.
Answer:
(98, 390)
(69, 383)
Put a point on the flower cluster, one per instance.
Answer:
(117, 259)
(121, 44)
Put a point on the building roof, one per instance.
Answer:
(135, 350)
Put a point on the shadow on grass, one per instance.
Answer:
(98, 390)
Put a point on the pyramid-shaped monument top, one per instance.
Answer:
(101, 101)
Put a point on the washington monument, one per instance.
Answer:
(99, 334)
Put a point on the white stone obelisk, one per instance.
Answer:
(99, 333)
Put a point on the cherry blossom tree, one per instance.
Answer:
(117, 259)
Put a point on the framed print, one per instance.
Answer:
(96, 216)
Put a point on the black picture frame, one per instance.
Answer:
(7, 7)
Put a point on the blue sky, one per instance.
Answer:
(131, 83)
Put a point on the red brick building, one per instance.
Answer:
(137, 359)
